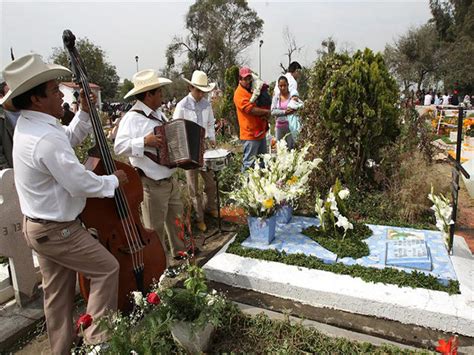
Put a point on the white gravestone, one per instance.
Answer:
(12, 242)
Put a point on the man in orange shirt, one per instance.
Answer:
(253, 120)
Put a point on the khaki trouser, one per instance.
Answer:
(63, 250)
(161, 206)
(209, 202)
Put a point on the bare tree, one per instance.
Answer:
(291, 48)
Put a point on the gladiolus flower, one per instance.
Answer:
(83, 322)
(153, 298)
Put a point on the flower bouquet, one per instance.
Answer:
(263, 190)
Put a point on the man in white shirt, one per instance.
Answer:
(195, 107)
(52, 187)
(136, 139)
(292, 75)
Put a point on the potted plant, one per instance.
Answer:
(194, 311)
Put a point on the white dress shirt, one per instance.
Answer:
(51, 182)
(199, 112)
(130, 141)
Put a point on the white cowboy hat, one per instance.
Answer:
(146, 80)
(199, 81)
(27, 72)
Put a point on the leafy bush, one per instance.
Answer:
(350, 115)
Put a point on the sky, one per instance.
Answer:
(144, 29)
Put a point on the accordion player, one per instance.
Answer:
(183, 144)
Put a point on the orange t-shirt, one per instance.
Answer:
(251, 127)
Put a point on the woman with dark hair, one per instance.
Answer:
(280, 111)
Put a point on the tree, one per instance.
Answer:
(99, 71)
(416, 57)
(454, 22)
(218, 31)
(350, 115)
(123, 89)
(291, 48)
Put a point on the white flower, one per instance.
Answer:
(344, 223)
(133, 352)
(343, 194)
(138, 298)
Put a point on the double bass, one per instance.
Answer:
(116, 222)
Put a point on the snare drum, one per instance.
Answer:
(216, 159)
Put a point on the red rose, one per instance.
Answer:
(83, 322)
(182, 254)
(153, 298)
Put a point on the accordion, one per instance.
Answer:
(183, 144)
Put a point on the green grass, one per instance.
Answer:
(258, 334)
(352, 246)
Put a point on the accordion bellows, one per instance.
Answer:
(184, 144)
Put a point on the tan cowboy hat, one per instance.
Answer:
(146, 80)
(27, 72)
(199, 81)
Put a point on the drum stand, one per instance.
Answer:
(219, 220)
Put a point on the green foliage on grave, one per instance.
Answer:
(350, 115)
(387, 275)
(352, 246)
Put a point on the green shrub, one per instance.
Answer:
(350, 115)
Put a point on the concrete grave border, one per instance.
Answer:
(422, 307)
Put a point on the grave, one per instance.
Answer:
(402, 248)
(406, 249)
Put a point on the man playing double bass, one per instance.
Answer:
(136, 139)
(52, 187)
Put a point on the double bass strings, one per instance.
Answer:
(128, 224)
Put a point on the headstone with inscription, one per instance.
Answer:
(407, 249)
(12, 242)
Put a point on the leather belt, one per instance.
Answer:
(39, 220)
(141, 173)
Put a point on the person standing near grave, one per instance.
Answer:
(136, 139)
(195, 107)
(253, 120)
(281, 111)
(52, 187)
(8, 119)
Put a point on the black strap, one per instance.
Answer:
(150, 116)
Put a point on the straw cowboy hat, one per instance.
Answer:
(199, 81)
(27, 72)
(146, 80)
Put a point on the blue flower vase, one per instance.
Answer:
(262, 230)
(284, 214)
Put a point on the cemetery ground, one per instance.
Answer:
(266, 323)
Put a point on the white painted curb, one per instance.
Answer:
(427, 308)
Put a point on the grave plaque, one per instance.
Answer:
(411, 253)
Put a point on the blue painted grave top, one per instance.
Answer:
(288, 238)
